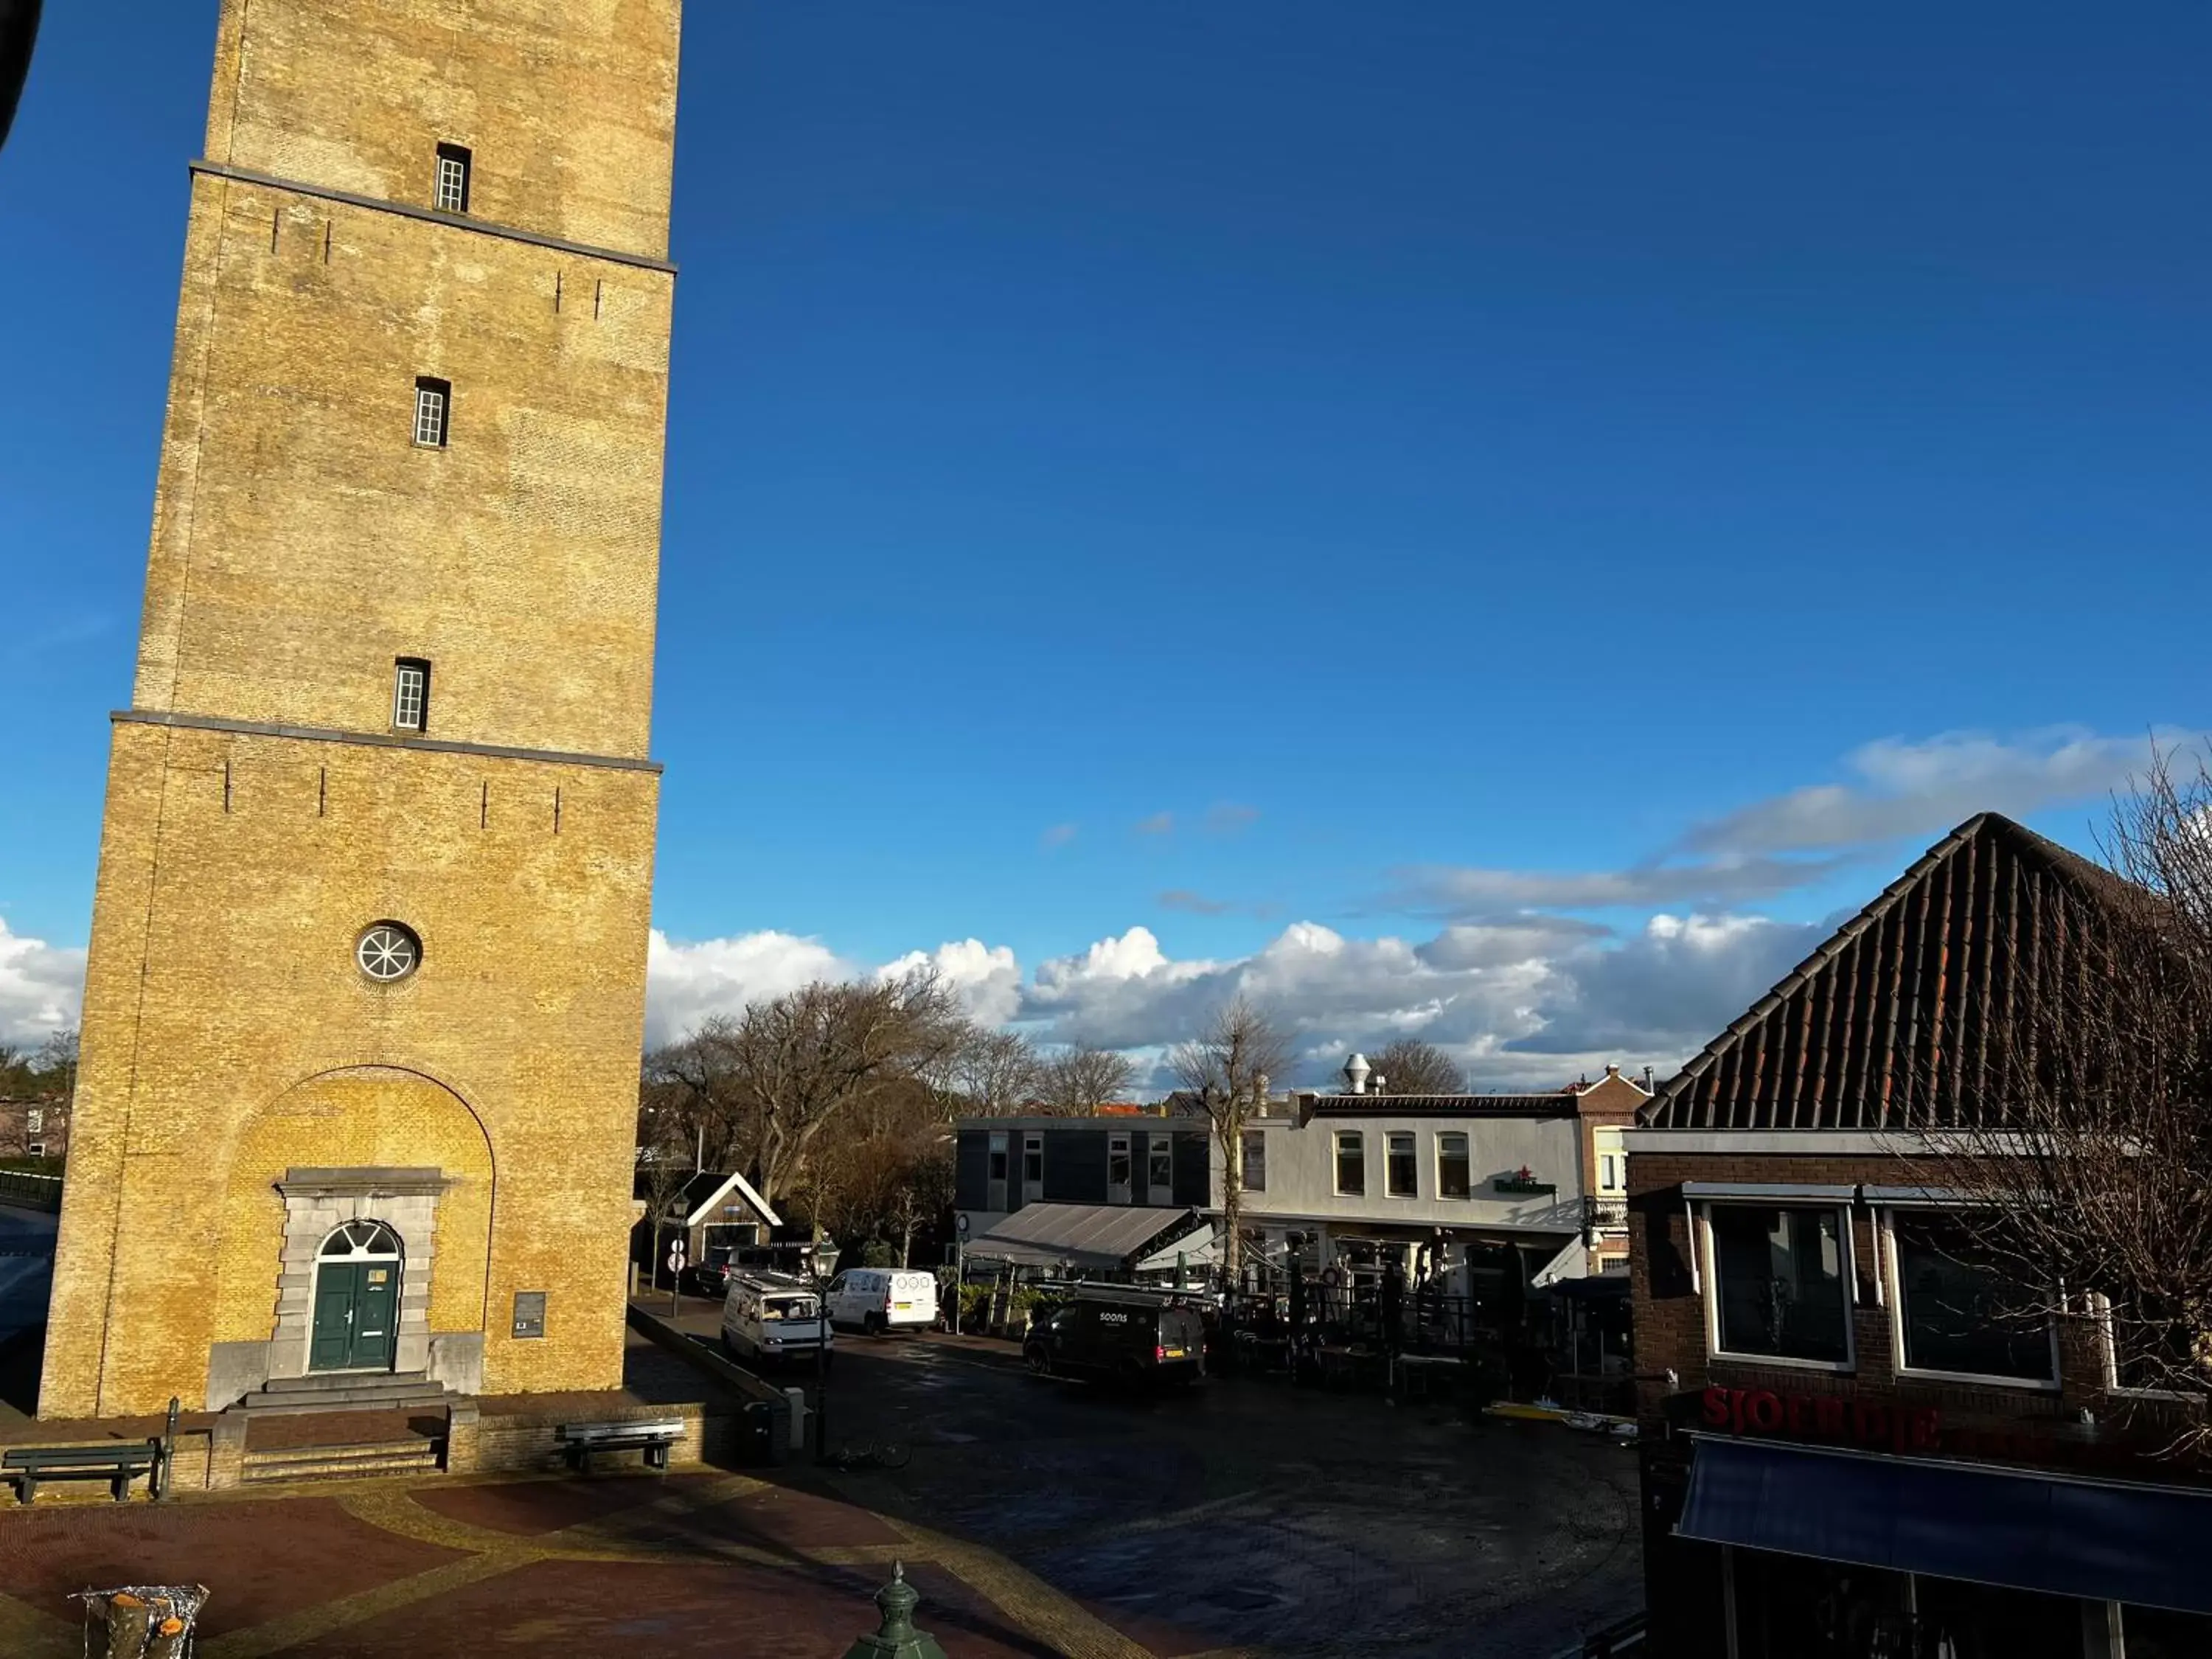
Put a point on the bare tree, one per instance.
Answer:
(664, 1166)
(1077, 1081)
(994, 1072)
(790, 1067)
(1227, 1067)
(2087, 1175)
(1411, 1067)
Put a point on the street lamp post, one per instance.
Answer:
(823, 1264)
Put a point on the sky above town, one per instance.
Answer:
(1496, 524)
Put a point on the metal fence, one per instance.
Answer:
(28, 1191)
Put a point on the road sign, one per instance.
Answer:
(676, 1262)
(960, 1225)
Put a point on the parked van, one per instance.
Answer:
(879, 1300)
(1110, 1334)
(769, 1318)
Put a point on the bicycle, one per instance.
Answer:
(869, 1455)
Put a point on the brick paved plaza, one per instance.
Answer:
(1035, 1519)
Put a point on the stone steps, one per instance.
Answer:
(375, 1457)
(341, 1391)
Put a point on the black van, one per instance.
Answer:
(1115, 1336)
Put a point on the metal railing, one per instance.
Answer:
(31, 1192)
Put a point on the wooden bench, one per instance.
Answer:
(583, 1441)
(119, 1465)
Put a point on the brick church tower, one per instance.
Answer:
(367, 982)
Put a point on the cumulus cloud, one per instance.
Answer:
(41, 986)
(686, 982)
(1904, 788)
(986, 977)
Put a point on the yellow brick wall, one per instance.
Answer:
(528, 1008)
(301, 543)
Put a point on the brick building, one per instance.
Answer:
(366, 987)
(1849, 1446)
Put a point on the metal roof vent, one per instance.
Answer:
(1355, 1074)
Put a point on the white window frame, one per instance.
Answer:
(2101, 1310)
(1612, 1155)
(450, 189)
(1707, 1259)
(35, 1149)
(411, 672)
(1466, 1139)
(1159, 1145)
(1893, 1287)
(1118, 1143)
(1413, 1147)
(34, 1120)
(1032, 1191)
(995, 1188)
(1244, 1163)
(434, 412)
(1336, 1162)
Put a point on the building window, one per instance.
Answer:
(1401, 1167)
(453, 166)
(1454, 1166)
(410, 694)
(389, 950)
(1255, 1160)
(1612, 1162)
(1117, 1169)
(1959, 1316)
(997, 1155)
(37, 1149)
(1778, 1282)
(1159, 1153)
(434, 406)
(2149, 1349)
(995, 1192)
(34, 1120)
(1351, 1164)
(1033, 1160)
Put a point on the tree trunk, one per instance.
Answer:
(1232, 1201)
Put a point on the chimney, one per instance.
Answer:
(1355, 1074)
(1379, 1081)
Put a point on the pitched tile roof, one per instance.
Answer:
(1889, 1025)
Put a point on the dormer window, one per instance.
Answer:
(452, 190)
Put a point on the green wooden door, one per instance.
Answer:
(357, 1313)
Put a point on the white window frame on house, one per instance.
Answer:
(1391, 1140)
(1612, 1162)
(996, 1174)
(36, 1149)
(1358, 1138)
(1159, 1149)
(1885, 1214)
(1120, 1192)
(433, 411)
(1255, 1140)
(1705, 1255)
(411, 695)
(1032, 1157)
(1466, 1156)
(450, 189)
(2101, 1310)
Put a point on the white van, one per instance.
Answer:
(879, 1300)
(768, 1318)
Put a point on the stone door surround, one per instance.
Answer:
(317, 1203)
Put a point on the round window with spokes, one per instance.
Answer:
(388, 951)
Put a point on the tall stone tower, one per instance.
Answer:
(367, 962)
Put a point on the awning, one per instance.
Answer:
(1573, 1262)
(1095, 1235)
(1196, 1251)
(2103, 1540)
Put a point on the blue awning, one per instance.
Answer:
(2107, 1541)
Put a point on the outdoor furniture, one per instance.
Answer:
(118, 1464)
(1423, 1374)
(581, 1441)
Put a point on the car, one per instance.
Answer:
(880, 1299)
(772, 1319)
(1137, 1337)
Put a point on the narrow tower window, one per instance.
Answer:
(454, 167)
(434, 402)
(411, 695)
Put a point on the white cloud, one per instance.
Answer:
(1907, 788)
(687, 981)
(986, 977)
(41, 987)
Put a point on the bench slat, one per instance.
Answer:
(62, 1457)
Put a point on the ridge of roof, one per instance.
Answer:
(2093, 880)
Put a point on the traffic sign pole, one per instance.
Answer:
(676, 1278)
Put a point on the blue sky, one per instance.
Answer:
(1297, 479)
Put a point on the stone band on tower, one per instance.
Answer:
(366, 987)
